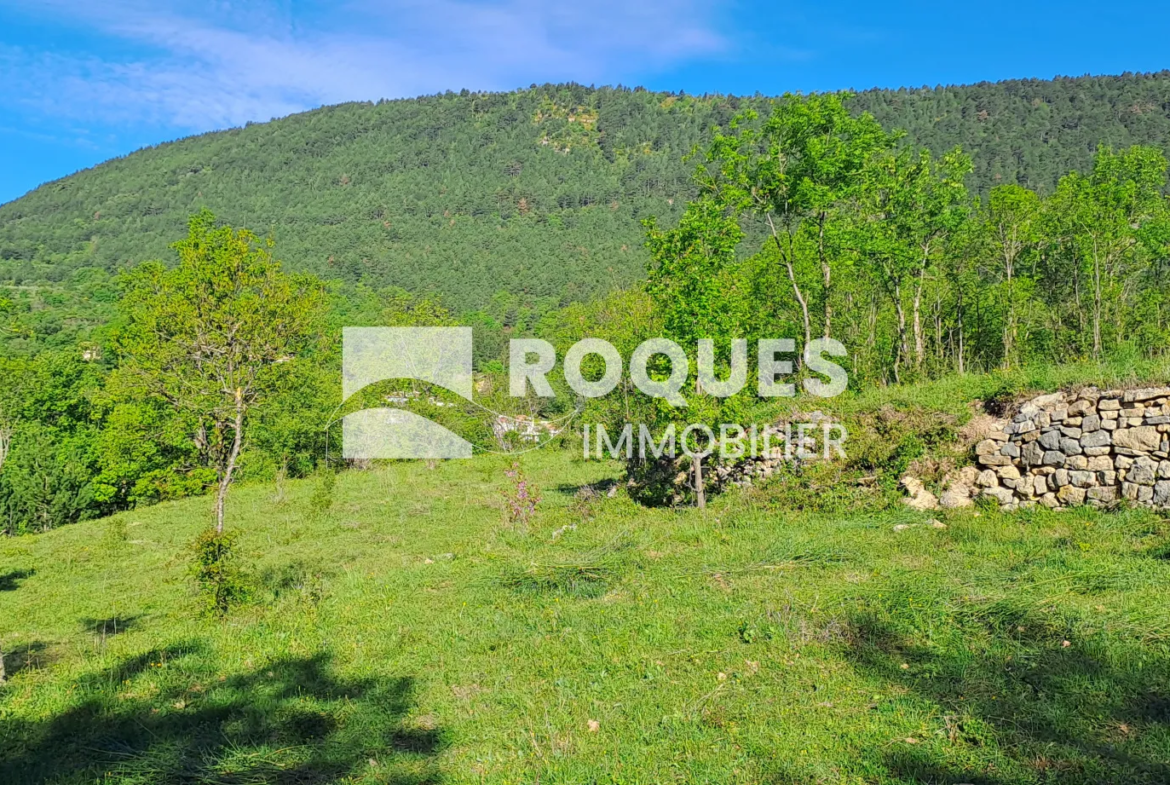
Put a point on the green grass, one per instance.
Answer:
(409, 635)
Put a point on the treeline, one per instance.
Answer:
(535, 194)
(812, 220)
(883, 247)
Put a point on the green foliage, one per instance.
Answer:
(213, 337)
(537, 193)
(216, 572)
(322, 499)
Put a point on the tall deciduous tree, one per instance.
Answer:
(1013, 228)
(1098, 219)
(695, 297)
(212, 335)
(911, 204)
(799, 171)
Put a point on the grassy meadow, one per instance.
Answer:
(410, 634)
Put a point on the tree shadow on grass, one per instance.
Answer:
(166, 716)
(1016, 704)
(10, 581)
(109, 627)
(27, 656)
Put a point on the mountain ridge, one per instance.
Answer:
(534, 195)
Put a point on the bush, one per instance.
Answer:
(220, 581)
(322, 499)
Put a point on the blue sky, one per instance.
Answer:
(82, 81)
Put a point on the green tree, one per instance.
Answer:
(212, 336)
(1097, 222)
(697, 300)
(911, 204)
(799, 171)
(1013, 227)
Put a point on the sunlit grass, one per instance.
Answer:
(409, 634)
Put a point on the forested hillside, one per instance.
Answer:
(531, 197)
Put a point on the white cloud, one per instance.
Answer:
(203, 66)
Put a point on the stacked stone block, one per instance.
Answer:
(1087, 447)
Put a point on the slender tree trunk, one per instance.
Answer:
(959, 315)
(5, 442)
(792, 277)
(826, 276)
(1096, 303)
(919, 338)
(700, 489)
(1009, 329)
(226, 480)
(3, 675)
(903, 343)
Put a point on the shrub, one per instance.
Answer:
(322, 499)
(220, 581)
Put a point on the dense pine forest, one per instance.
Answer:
(529, 198)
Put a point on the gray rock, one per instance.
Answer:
(1097, 439)
(1033, 455)
(1010, 450)
(1143, 472)
(1070, 432)
(1146, 394)
(1084, 479)
(1053, 458)
(1162, 494)
(1060, 479)
(987, 479)
(1091, 423)
(1001, 495)
(1070, 446)
(1050, 440)
(955, 497)
(1104, 495)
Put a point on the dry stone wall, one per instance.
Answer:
(1086, 447)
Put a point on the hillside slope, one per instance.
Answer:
(536, 193)
(410, 636)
